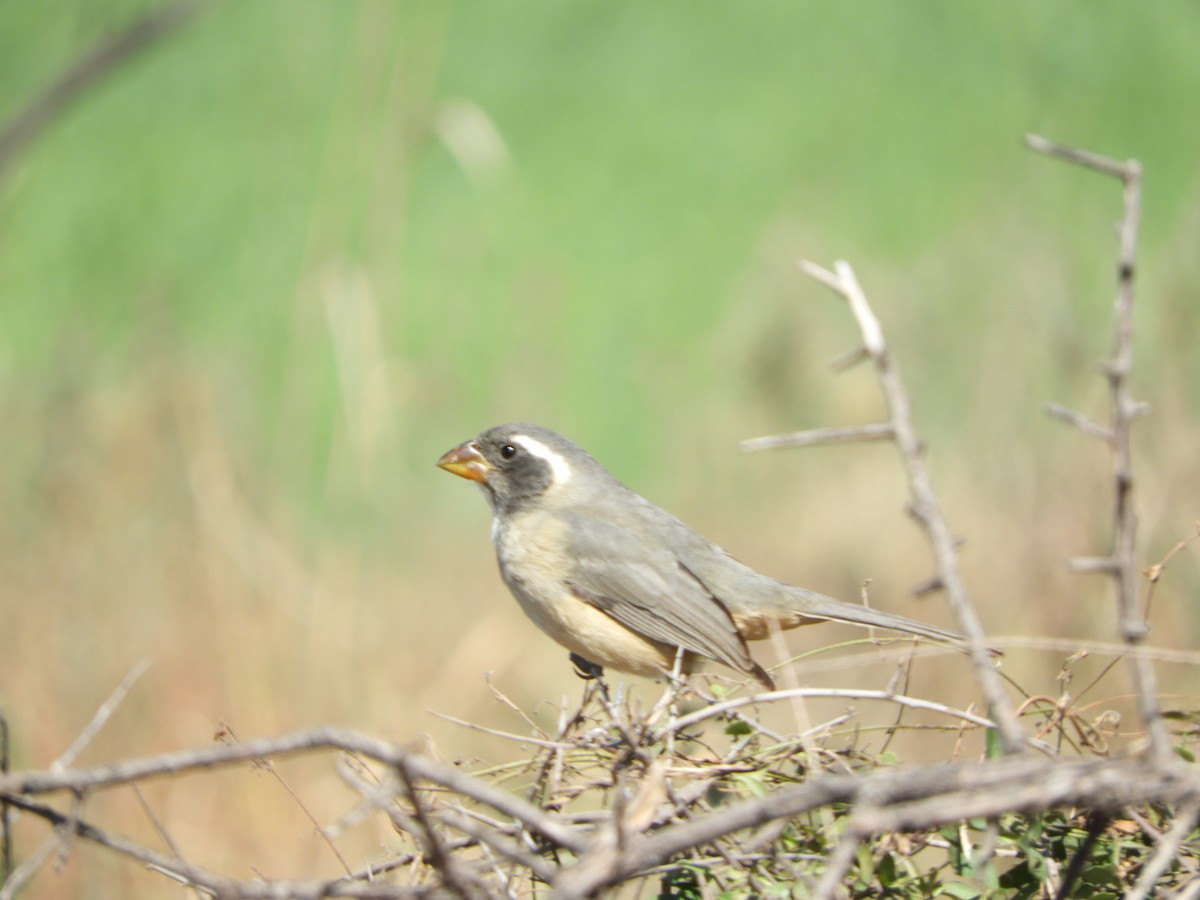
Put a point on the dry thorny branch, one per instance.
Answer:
(704, 809)
(700, 794)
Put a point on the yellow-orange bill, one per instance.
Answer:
(466, 461)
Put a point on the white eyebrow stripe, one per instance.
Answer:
(559, 466)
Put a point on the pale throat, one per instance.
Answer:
(560, 469)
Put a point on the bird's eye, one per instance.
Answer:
(508, 451)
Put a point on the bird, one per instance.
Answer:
(620, 582)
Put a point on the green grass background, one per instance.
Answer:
(254, 284)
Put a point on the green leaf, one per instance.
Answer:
(989, 876)
(885, 870)
(1038, 866)
(752, 783)
(1180, 715)
(738, 728)
(1106, 875)
(961, 890)
(866, 866)
(682, 883)
(957, 859)
(1036, 829)
(993, 745)
(1019, 878)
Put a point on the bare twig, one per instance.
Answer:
(231, 736)
(882, 431)
(507, 735)
(359, 884)
(903, 674)
(536, 865)
(1079, 157)
(812, 755)
(88, 832)
(1097, 822)
(6, 847)
(507, 701)
(217, 885)
(1123, 409)
(925, 505)
(1080, 421)
(158, 826)
(838, 864)
(324, 737)
(717, 709)
(849, 359)
(16, 879)
(1066, 645)
(549, 776)
(1082, 564)
(100, 62)
(457, 881)
(1155, 572)
(1168, 846)
(102, 715)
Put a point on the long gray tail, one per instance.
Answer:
(812, 605)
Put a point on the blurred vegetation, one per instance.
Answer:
(256, 282)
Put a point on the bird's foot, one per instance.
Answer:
(585, 668)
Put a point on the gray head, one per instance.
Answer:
(520, 462)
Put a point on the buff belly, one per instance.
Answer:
(572, 622)
(593, 634)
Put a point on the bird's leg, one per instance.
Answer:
(585, 668)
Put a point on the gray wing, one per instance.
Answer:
(757, 596)
(648, 590)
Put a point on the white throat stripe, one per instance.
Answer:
(559, 466)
